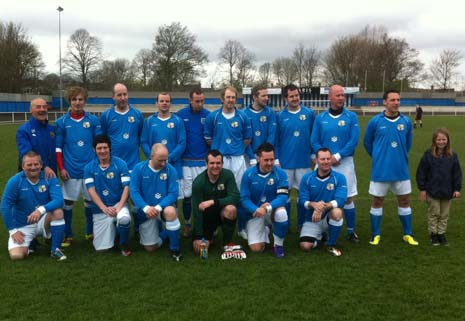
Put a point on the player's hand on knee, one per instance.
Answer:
(18, 237)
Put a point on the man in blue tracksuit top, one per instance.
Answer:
(388, 139)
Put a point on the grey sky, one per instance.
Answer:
(269, 29)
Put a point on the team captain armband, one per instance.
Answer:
(282, 190)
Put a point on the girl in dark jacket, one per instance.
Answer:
(439, 179)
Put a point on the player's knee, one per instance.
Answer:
(257, 247)
(170, 213)
(124, 220)
(377, 202)
(336, 214)
(403, 200)
(150, 248)
(18, 254)
(307, 243)
(306, 246)
(230, 212)
(280, 215)
(57, 214)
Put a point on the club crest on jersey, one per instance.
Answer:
(126, 135)
(157, 196)
(228, 141)
(296, 133)
(234, 124)
(394, 144)
(80, 143)
(263, 119)
(164, 141)
(202, 120)
(341, 123)
(86, 124)
(105, 192)
(334, 139)
(302, 117)
(163, 176)
(263, 199)
(270, 181)
(42, 188)
(400, 127)
(52, 134)
(110, 175)
(258, 133)
(221, 187)
(131, 119)
(330, 187)
(170, 125)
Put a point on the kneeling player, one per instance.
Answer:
(107, 182)
(264, 194)
(214, 200)
(154, 191)
(32, 206)
(322, 195)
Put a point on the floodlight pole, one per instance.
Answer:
(60, 9)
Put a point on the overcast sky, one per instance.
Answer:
(269, 29)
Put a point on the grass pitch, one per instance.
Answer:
(393, 281)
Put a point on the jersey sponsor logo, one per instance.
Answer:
(220, 187)
(263, 119)
(234, 124)
(42, 188)
(170, 125)
(400, 127)
(164, 141)
(157, 196)
(270, 181)
(110, 175)
(296, 133)
(163, 176)
(394, 144)
(341, 123)
(302, 117)
(126, 135)
(228, 141)
(334, 139)
(86, 124)
(258, 133)
(80, 143)
(330, 186)
(105, 192)
(131, 119)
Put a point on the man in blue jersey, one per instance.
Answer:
(388, 139)
(338, 129)
(193, 159)
(293, 142)
(75, 132)
(39, 136)
(322, 195)
(31, 206)
(228, 130)
(154, 191)
(107, 181)
(264, 194)
(168, 129)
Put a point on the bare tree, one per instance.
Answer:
(20, 61)
(245, 68)
(239, 61)
(284, 70)
(264, 74)
(84, 54)
(178, 59)
(144, 64)
(311, 62)
(444, 68)
(299, 56)
(113, 71)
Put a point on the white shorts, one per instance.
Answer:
(347, 168)
(380, 189)
(256, 232)
(72, 189)
(190, 173)
(149, 233)
(295, 176)
(235, 164)
(105, 229)
(315, 229)
(30, 232)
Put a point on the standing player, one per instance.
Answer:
(264, 194)
(154, 191)
(31, 206)
(387, 140)
(338, 130)
(75, 132)
(107, 181)
(39, 136)
(168, 129)
(214, 200)
(193, 159)
(418, 116)
(293, 143)
(322, 194)
(228, 130)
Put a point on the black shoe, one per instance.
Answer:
(442, 239)
(176, 255)
(352, 237)
(434, 239)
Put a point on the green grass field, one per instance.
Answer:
(393, 281)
